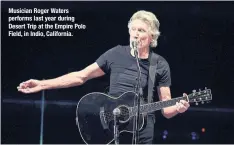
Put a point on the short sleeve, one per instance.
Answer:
(163, 73)
(104, 61)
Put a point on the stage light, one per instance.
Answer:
(194, 136)
(203, 130)
(165, 133)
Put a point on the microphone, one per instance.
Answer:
(134, 47)
(134, 44)
(116, 111)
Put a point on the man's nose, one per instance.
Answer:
(137, 38)
(137, 34)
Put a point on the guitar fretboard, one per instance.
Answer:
(151, 107)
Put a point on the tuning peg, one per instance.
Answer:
(196, 103)
(202, 102)
(205, 89)
(194, 91)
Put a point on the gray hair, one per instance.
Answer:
(150, 19)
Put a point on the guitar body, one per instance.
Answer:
(95, 119)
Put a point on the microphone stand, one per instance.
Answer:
(139, 93)
(116, 114)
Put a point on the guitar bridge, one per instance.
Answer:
(103, 118)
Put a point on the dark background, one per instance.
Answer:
(196, 39)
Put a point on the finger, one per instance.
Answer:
(177, 105)
(26, 91)
(25, 84)
(28, 81)
(22, 85)
(183, 108)
(187, 104)
(19, 87)
(22, 90)
(181, 102)
(29, 90)
(184, 94)
(184, 103)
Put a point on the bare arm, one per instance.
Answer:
(74, 79)
(69, 80)
(164, 94)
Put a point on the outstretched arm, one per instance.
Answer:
(69, 80)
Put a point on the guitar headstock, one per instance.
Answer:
(200, 96)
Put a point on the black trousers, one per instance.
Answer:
(146, 135)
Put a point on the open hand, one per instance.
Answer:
(30, 86)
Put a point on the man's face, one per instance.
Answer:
(139, 31)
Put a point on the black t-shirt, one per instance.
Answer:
(122, 67)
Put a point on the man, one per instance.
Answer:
(120, 63)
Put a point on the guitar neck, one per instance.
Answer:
(151, 107)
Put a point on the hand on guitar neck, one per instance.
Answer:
(182, 106)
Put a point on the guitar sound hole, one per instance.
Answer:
(124, 115)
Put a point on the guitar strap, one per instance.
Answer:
(152, 75)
